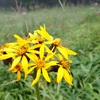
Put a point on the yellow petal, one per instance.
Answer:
(11, 44)
(29, 71)
(45, 75)
(31, 64)
(18, 75)
(60, 74)
(68, 51)
(25, 64)
(15, 62)
(35, 34)
(68, 78)
(31, 35)
(49, 64)
(49, 56)
(33, 51)
(37, 77)
(47, 49)
(32, 57)
(41, 52)
(9, 49)
(44, 33)
(17, 37)
(35, 46)
(48, 42)
(6, 56)
(63, 51)
(60, 57)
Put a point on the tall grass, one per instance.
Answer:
(79, 28)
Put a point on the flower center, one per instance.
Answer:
(65, 64)
(22, 49)
(18, 67)
(40, 63)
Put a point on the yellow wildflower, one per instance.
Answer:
(18, 53)
(56, 43)
(64, 51)
(41, 64)
(40, 40)
(6, 46)
(17, 69)
(4, 52)
(63, 70)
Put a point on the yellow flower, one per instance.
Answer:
(39, 40)
(41, 36)
(41, 64)
(64, 51)
(63, 70)
(37, 53)
(56, 43)
(4, 52)
(36, 39)
(18, 53)
(17, 70)
(6, 46)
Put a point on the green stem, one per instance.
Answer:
(37, 87)
(37, 91)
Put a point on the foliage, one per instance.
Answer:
(34, 4)
(78, 27)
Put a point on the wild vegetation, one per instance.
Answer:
(79, 28)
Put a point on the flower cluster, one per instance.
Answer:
(38, 53)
